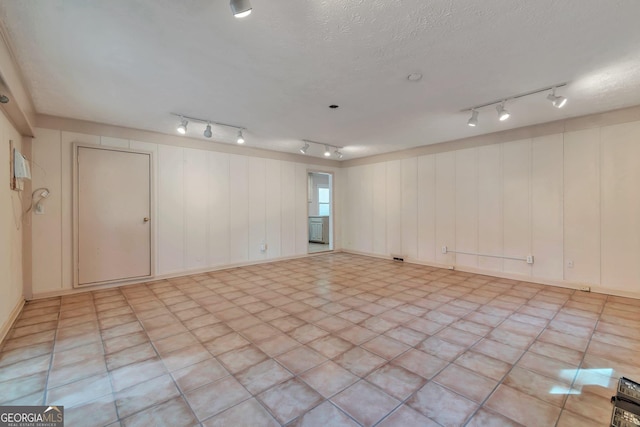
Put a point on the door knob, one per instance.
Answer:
(146, 219)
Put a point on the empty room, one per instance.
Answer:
(320, 213)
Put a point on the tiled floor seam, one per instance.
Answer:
(584, 354)
(481, 405)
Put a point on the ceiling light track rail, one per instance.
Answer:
(208, 122)
(510, 98)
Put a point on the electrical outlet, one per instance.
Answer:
(39, 209)
(529, 259)
(585, 288)
(570, 263)
(263, 247)
(444, 249)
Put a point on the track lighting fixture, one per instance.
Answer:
(557, 101)
(182, 128)
(473, 121)
(327, 148)
(240, 8)
(208, 133)
(503, 114)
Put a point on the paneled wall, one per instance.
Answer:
(11, 227)
(571, 200)
(213, 209)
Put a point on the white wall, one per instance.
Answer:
(569, 196)
(213, 209)
(11, 277)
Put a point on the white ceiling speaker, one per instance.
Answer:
(557, 101)
(503, 114)
(473, 121)
(241, 8)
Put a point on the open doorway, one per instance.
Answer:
(320, 195)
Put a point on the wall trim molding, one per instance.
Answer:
(608, 118)
(113, 131)
(501, 275)
(13, 316)
(160, 277)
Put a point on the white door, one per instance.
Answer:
(113, 215)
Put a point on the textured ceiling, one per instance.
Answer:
(131, 63)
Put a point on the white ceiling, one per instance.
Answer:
(132, 63)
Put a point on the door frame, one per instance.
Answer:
(152, 212)
(332, 215)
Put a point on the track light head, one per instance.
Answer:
(503, 114)
(557, 101)
(207, 131)
(473, 121)
(304, 148)
(338, 154)
(182, 128)
(327, 152)
(240, 8)
(240, 139)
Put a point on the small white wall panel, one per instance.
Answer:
(288, 206)
(219, 235)
(46, 229)
(364, 224)
(490, 237)
(582, 206)
(620, 150)
(238, 209)
(466, 213)
(445, 206)
(301, 209)
(517, 211)
(257, 208)
(196, 208)
(426, 208)
(379, 208)
(410, 208)
(394, 208)
(171, 249)
(273, 205)
(547, 207)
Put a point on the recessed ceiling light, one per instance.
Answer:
(414, 77)
(333, 106)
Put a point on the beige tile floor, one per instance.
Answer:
(330, 340)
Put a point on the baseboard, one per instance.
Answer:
(512, 276)
(13, 316)
(171, 275)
